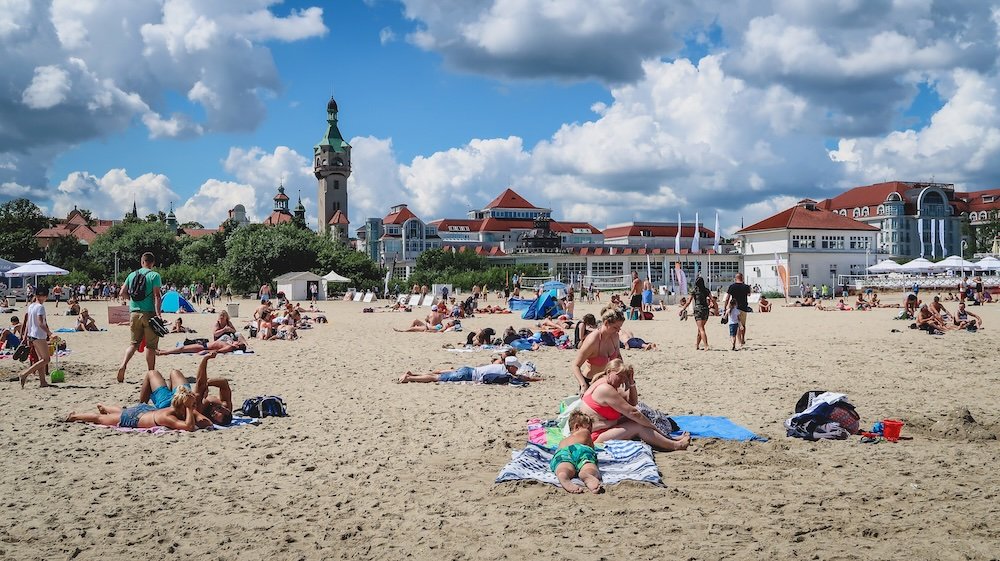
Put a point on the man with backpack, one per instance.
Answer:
(142, 288)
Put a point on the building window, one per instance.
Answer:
(655, 269)
(856, 213)
(859, 242)
(804, 270)
(832, 242)
(336, 184)
(645, 233)
(598, 268)
(880, 210)
(865, 211)
(570, 272)
(803, 242)
(723, 271)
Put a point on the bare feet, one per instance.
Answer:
(593, 483)
(121, 374)
(24, 378)
(405, 377)
(102, 409)
(570, 486)
(680, 443)
(70, 418)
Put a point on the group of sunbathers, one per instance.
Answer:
(436, 321)
(282, 321)
(935, 318)
(171, 403)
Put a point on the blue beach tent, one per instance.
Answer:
(545, 306)
(172, 301)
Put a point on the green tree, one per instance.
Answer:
(191, 225)
(256, 254)
(20, 220)
(130, 240)
(206, 251)
(333, 255)
(65, 251)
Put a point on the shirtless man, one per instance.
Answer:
(938, 308)
(929, 321)
(635, 297)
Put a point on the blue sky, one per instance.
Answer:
(609, 110)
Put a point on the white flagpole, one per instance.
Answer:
(716, 246)
(695, 241)
(933, 239)
(944, 248)
(920, 234)
(677, 239)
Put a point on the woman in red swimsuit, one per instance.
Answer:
(600, 347)
(610, 401)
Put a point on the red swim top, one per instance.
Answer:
(607, 412)
(598, 360)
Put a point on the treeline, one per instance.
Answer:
(465, 269)
(244, 257)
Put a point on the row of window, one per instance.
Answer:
(532, 214)
(801, 241)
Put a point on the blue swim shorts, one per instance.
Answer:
(463, 374)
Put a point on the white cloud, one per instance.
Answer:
(47, 89)
(386, 36)
(211, 204)
(263, 171)
(112, 195)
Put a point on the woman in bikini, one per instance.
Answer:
(226, 344)
(223, 325)
(610, 401)
(180, 415)
(599, 348)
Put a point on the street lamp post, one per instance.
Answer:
(965, 245)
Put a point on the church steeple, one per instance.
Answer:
(171, 219)
(300, 211)
(135, 211)
(281, 200)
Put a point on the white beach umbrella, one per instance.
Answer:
(919, 265)
(953, 263)
(884, 266)
(988, 264)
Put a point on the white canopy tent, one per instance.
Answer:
(953, 263)
(332, 276)
(988, 264)
(884, 266)
(36, 269)
(919, 265)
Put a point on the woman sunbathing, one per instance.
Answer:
(223, 325)
(226, 344)
(561, 324)
(422, 326)
(610, 401)
(180, 415)
(85, 322)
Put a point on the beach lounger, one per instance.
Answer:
(358, 296)
(428, 300)
(369, 296)
(414, 300)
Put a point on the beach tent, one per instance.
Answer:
(988, 264)
(7, 265)
(35, 269)
(296, 285)
(545, 306)
(884, 266)
(919, 265)
(333, 277)
(518, 304)
(953, 263)
(172, 302)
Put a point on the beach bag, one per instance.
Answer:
(647, 315)
(265, 406)
(137, 288)
(496, 378)
(199, 341)
(547, 339)
(159, 326)
(524, 333)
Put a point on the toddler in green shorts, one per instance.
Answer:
(576, 456)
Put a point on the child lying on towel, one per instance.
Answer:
(576, 456)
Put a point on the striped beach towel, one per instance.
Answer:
(619, 460)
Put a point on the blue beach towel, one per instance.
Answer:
(619, 460)
(704, 426)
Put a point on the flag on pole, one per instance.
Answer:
(944, 249)
(696, 240)
(933, 239)
(649, 269)
(920, 234)
(716, 246)
(677, 239)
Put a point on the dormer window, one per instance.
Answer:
(988, 198)
(646, 233)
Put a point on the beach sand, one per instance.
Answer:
(365, 468)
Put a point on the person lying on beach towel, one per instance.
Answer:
(630, 341)
(576, 456)
(179, 416)
(209, 408)
(421, 326)
(226, 344)
(488, 374)
(482, 337)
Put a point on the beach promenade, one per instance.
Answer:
(365, 468)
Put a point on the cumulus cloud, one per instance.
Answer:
(386, 35)
(264, 171)
(112, 195)
(210, 205)
(83, 69)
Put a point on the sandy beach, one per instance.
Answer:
(365, 468)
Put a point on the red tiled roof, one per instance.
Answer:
(866, 195)
(102, 226)
(198, 232)
(800, 218)
(52, 233)
(281, 197)
(632, 230)
(339, 218)
(975, 203)
(510, 199)
(403, 215)
(443, 224)
(568, 227)
(277, 218)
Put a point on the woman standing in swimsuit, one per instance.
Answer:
(610, 401)
(699, 295)
(599, 348)
(180, 415)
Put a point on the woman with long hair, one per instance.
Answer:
(599, 348)
(700, 298)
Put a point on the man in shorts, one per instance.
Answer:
(740, 293)
(143, 309)
(209, 408)
(635, 300)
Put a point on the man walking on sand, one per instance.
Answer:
(142, 288)
(635, 301)
(739, 292)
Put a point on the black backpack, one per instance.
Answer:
(265, 406)
(137, 288)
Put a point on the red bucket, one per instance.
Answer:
(891, 429)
